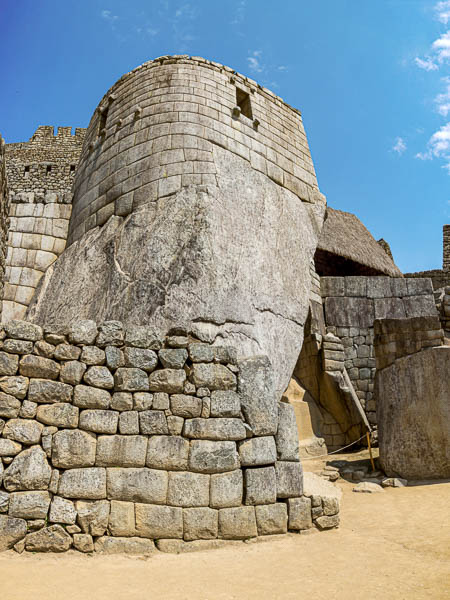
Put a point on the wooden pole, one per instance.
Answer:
(370, 450)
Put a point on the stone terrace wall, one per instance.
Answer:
(351, 306)
(112, 439)
(4, 220)
(155, 131)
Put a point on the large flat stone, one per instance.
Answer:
(237, 523)
(29, 505)
(213, 457)
(287, 434)
(28, 471)
(73, 448)
(85, 484)
(214, 429)
(49, 539)
(258, 451)
(121, 451)
(258, 395)
(188, 489)
(153, 521)
(133, 546)
(169, 452)
(137, 485)
(226, 489)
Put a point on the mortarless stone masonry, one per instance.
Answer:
(130, 450)
(4, 218)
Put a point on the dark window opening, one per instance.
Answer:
(102, 121)
(72, 169)
(26, 171)
(49, 169)
(243, 101)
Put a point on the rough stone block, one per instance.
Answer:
(170, 381)
(85, 484)
(132, 546)
(141, 358)
(15, 386)
(215, 429)
(66, 352)
(129, 422)
(237, 523)
(83, 542)
(142, 401)
(289, 479)
(50, 539)
(93, 516)
(271, 519)
(114, 357)
(121, 519)
(99, 377)
(28, 471)
(258, 451)
(131, 380)
(161, 401)
(122, 401)
(87, 397)
(260, 486)
(167, 452)
(153, 422)
(83, 332)
(300, 513)
(213, 457)
(349, 312)
(175, 425)
(212, 376)
(59, 415)
(9, 406)
(38, 366)
(99, 421)
(325, 522)
(9, 448)
(9, 363)
(23, 330)
(185, 406)
(200, 523)
(110, 334)
(287, 434)
(12, 530)
(201, 353)
(173, 358)
(258, 395)
(24, 431)
(62, 511)
(188, 489)
(29, 505)
(91, 355)
(121, 451)
(72, 372)
(225, 404)
(153, 521)
(49, 392)
(137, 485)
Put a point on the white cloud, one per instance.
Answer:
(438, 147)
(282, 68)
(443, 100)
(399, 146)
(443, 11)
(108, 16)
(427, 64)
(254, 61)
(442, 47)
(239, 13)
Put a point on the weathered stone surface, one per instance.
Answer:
(129, 422)
(93, 516)
(48, 392)
(170, 381)
(188, 490)
(15, 386)
(287, 434)
(59, 415)
(322, 493)
(4, 502)
(161, 401)
(300, 513)
(182, 546)
(114, 357)
(9, 406)
(18, 346)
(24, 431)
(62, 511)
(173, 358)
(131, 380)
(99, 421)
(71, 449)
(271, 519)
(23, 330)
(186, 406)
(118, 545)
(142, 401)
(121, 519)
(153, 422)
(92, 355)
(325, 522)
(213, 457)
(142, 336)
(88, 397)
(9, 363)
(367, 487)
(50, 539)
(9, 448)
(413, 413)
(86, 484)
(28, 471)
(72, 372)
(100, 377)
(29, 505)
(213, 376)
(121, 450)
(43, 348)
(258, 395)
(237, 523)
(200, 523)
(260, 486)
(110, 334)
(83, 332)
(226, 489)
(38, 366)
(83, 542)
(258, 451)
(122, 401)
(28, 410)
(66, 352)
(201, 353)
(167, 452)
(141, 358)
(11, 531)
(137, 485)
(215, 429)
(225, 404)
(289, 479)
(155, 522)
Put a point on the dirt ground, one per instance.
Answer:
(390, 545)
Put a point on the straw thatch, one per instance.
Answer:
(346, 247)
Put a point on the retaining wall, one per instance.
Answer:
(4, 220)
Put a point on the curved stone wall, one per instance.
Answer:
(112, 438)
(155, 129)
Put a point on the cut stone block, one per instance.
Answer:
(170, 381)
(260, 486)
(186, 406)
(287, 434)
(93, 516)
(168, 452)
(137, 485)
(226, 489)
(72, 449)
(153, 521)
(258, 395)
(59, 415)
(62, 511)
(289, 479)
(131, 546)
(188, 489)
(29, 505)
(300, 513)
(237, 523)
(225, 404)
(213, 457)
(99, 421)
(28, 471)
(271, 519)
(200, 523)
(86, 484)
(212, 376)
(121, 519)
(258, 451)
(153, 422)
(121, 451)
(88, 397)
(24, 431)
(215, 429)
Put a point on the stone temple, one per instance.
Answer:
(184, 319)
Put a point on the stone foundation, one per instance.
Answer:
(112, 439)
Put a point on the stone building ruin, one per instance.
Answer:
(184, 318)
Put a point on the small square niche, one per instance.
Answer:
(243, 101)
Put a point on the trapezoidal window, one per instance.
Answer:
(102, 121)
(26, 171)
(243, 101)
(49, 169)
(72, 169)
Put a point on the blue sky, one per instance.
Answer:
(371, 78)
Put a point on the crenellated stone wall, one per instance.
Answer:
(113, 439)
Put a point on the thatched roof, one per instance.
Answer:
(346, 247)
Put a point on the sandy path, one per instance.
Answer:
(392, 545)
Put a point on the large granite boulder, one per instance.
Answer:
(229, 262)
(413, 405)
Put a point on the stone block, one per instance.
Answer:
(271, 519)
(349, 312)
(121, 519)
(170, 381)
(83, 332)
(9, 363)
(258, 451)
(110, 334)
(153, 422)
(72, 372)
(99, 377)
(225, 404)
(142, 401)
(38, 366)
(161, 401)
(185, 406)
(133, 546)
(260, 486)
(141, 358)
(389, 308)
(175, 425)
(286, 438)
(28, 471)
(121, 450)
(114, 357)
(29, 505)
(129, 422)
(122, 401)
(85, 484)
(66, 352)
(289, 479)
(85, 396)
(153, 521)
(213, 457)
(167, 452)
(237, 523)
(23, 330)
(201, 353)
(332, 286)
(177, 341)
(137, 485)
(325, 522)
(419, 286)
(58, 415)
(9, 448)
(62, 511)
(83, 542)
(200, 523)
(131, 380)
(91, 355)
(419, 306)
(93, 516)
(173, 358)
(99, 421)
(188, 489)
(49, 539)
(378, 287)
(43, 391)
(215, 429)
(9, 406)
(356, 286)
(299, 513)
(258, 395)
(15, 386)
(24, 431)
(11, 531)
(212, 376)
